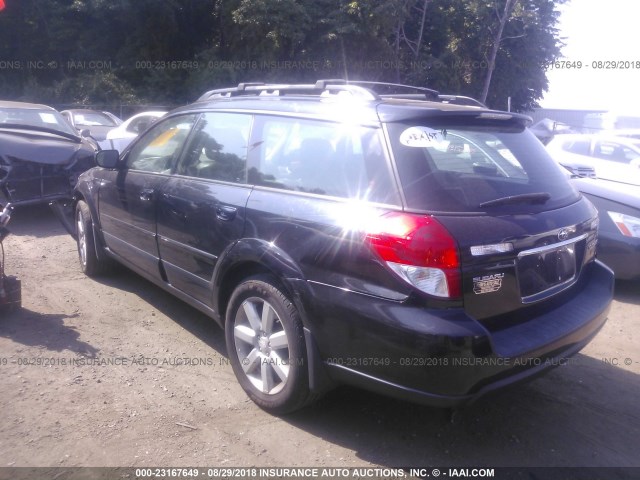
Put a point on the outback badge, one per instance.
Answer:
(487, 283)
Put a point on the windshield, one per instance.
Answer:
(45, 119)
(469, 168)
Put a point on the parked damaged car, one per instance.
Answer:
(41, 155)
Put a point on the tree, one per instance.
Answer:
(497, 39)
(170, 52)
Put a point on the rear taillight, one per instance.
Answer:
(420, 250)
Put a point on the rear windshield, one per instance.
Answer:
(475, 168)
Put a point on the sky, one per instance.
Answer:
(598, 33)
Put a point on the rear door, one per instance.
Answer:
(201, 209)
(128, 196)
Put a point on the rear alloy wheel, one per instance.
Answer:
(89, 262)
(265, 343)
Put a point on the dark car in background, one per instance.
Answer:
(41, 155)
(429, 251)
(619, 232)
(96, 123)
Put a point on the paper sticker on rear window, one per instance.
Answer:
(421, 137)
(48, 118)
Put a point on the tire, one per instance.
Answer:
(266, 347)
(90, 264)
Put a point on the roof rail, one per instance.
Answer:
(320, 88)
(397, 90)
(460, 100)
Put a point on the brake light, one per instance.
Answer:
(420, 250)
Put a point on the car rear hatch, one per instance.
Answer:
(514, 261)
(523, 234)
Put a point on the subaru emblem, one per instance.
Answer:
(563, 234)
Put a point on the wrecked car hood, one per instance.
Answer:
(39, 147)
(40, 166)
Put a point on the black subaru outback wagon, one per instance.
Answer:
(425, 250)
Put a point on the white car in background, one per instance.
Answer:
(119, 138)
(612, 158)
(94, 123)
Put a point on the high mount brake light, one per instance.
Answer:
(420, 250)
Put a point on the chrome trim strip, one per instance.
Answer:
(553, 246)
(127, 224)
(122, 242)
(199, 280)
(189, 248)
(398, 298)
(554, 289)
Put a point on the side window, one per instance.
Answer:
(630, 155)
(611, 151)
(218, 148)
(581, 147)
(323, 158)
(160, 148)
(139, 125)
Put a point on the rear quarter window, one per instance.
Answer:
(453, 168)
(322, 158)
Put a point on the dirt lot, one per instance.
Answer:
(116, 373)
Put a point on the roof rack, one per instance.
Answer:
(461, 100)
(320, 88)
(397, 90)
(356, 88)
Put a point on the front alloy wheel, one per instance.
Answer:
(89, 262)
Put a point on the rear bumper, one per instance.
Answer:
(445, 358)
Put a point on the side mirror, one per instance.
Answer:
(107, 158)
(85, 132)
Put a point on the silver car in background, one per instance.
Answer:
(611, 157)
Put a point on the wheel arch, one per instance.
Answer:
(250, 257)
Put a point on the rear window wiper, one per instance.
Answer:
(533, 198)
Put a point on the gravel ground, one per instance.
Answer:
(114, 372)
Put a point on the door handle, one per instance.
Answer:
(146, 194)
(226, 213)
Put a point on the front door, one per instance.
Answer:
(128, 196)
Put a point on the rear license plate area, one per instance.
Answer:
(545, 271)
